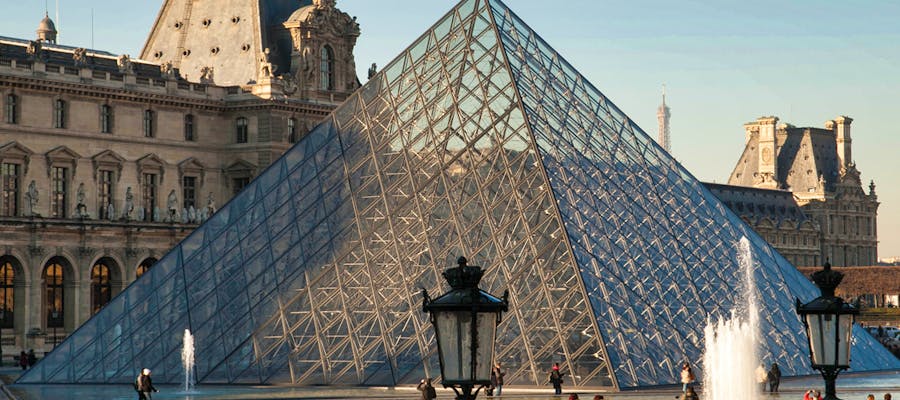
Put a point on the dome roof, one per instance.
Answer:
(46, 25)
(301, 14)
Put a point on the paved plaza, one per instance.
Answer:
(850, 387)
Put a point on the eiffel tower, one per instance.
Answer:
(478, 140)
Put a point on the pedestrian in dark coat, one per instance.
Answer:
(23, 360)
(428, 392)
(774, 378)
(556, 378)
(32, 359)
(144, 385)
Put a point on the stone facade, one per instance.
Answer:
(815, 165)
(107, 161)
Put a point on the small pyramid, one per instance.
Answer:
(478, 140)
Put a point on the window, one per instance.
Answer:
(327, 68)
(53, 294)
(144, 266)
(105, 118)
(105, 197)
(12, 109)
(7, 294)
(101, 288)
(60, 185)
(189, 127)
(149, 195)
(149, 116)
(238, 184)
(241, 125)
(189, 191)
(59, 114)
(292, 130)
(11, 184)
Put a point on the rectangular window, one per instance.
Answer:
(11, 185)
(189, 128)
(60, 185)
(105, 197)
(241, 134)
(189, 191)
(59, 114)
(12, 109)
(149, 195)
(105, 119)
(238, 184)
(148, 123)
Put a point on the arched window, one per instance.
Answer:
(241, 127)
(54, 303)
(101, 288)
(59, 114)
(327, 68)
(145, 266)
(7, 294)
(189, 127)
(292, 130)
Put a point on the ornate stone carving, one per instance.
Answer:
(80, 207)
(373, 70)
(206, 74)
(167, 69)
(35, 50)
(80, 57)
(266, 68)
(125, 64)
(31, 200)
(129, 204)
(172, 207)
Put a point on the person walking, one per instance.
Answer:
(812, 395)
(687, 377)
(428, 392)
(762, 377)
(497, 379)
(32, 359)
(144, 385)
(23, 360)
(774, 378)
(556, 379)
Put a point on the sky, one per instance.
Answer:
(724, 63)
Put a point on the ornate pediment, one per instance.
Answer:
(191, 166)
(62, 156)
(151, 164)
(240, 168)
(16, 153)
(108, 160)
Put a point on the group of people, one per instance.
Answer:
(27, 360)
(770, 377)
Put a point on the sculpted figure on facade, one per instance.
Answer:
(125, 65)
(34, 49)
(373, 70)
(31, 200)
(172, 206)
(80, 57)
(80, 207)
(129, 204)
(266, 68)
(206, 74)
(167, 69)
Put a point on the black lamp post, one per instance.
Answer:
(465, 323)
(829, 327)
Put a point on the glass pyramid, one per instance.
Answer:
(478, 140)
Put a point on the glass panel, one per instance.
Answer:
(487, 328)
(845, 332)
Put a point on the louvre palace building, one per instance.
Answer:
(107, 161)
(800, 189)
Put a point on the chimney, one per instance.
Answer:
(768, 153)
(842, 139)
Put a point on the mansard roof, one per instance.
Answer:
(755, 203)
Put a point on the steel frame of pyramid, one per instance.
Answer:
(478, 140)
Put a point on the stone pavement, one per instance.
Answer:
(850, 387)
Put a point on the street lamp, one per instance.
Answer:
(829, 326)
(465, 323)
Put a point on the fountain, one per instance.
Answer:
(730, 356)
(187, 359)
